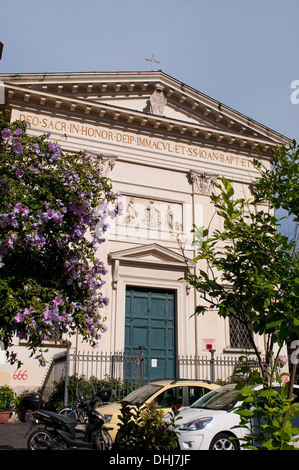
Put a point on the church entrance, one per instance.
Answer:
(150, 322)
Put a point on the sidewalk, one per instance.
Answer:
(12, 435)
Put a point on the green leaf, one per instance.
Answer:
(244, 413)
(246, 391)
(268, 393)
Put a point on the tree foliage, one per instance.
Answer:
(279, 184)
(248, 270)
(54, 209)
(263, 411)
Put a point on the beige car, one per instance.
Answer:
(163, 392)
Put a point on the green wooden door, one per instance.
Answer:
(150, 322)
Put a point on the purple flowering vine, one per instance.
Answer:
(50, 276)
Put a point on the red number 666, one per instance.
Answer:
(19, 375)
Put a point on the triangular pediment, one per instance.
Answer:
(133, 98)
(151, 254)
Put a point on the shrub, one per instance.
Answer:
(7, 398)
(145, 429)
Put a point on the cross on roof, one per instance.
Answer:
(153, 61)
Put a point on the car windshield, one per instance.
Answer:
(142, 394)
(223, 398)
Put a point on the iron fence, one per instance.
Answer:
(214, 368)
(119, 372)
(122, 372)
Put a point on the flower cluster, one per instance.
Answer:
(54, 212)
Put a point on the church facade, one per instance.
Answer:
(163, 145)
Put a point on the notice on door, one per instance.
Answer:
(154, 362)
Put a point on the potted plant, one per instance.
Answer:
(7, 397)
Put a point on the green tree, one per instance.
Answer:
(249, 271)
(279, 184)
(54, 209)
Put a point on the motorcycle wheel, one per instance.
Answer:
(65, 411)
(40, 432)
(82, 417)
(103, 440)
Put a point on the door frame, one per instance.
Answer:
(175, 315)
(150, 266)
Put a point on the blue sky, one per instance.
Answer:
(243, 53)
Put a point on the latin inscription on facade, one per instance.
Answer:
(47, 124)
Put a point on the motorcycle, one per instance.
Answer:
(103, 396)
(59, 432)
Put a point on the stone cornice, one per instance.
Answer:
(60, 92)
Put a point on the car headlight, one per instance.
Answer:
(195, 425)
(107, 418)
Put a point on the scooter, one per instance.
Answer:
(59, 432)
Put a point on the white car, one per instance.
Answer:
(208, 424)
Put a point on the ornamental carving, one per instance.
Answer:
(150, 218)
(104, 163)
(158, 101)
(203, 183)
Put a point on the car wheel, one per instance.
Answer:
(224, 441)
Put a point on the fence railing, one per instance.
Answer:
(123, 372)
(120, 371)
(211, 367)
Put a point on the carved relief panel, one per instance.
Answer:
(150, 218)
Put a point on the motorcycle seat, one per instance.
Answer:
(67, 419)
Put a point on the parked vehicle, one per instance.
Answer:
(163, 392)
(57, 431)
(209, 424)
(102, 396)
(77, 410)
